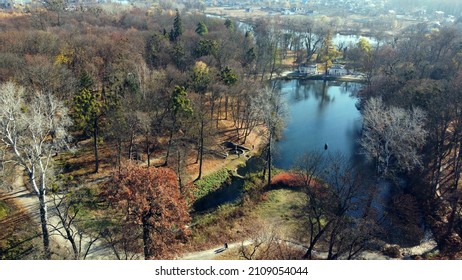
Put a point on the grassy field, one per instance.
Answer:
(282, 210)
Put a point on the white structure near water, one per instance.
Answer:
(337, 70)
(308, 69)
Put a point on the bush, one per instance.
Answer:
(253, 188)
(211, 183)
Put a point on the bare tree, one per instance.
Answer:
(33, 128)
(335, 210)
(55, 6)
(353, 224)
(67, 207)
(272, 111)
(313, 38)
(268, 56)
(392, 136)
(271, 246)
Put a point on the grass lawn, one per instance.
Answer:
(281, 210)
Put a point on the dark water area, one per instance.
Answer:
(230, 192)
(227, 193)
(319, 113)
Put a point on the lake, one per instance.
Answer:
(319, 113)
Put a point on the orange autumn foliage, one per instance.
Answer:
(150, 197)
(288, 180)
(294, 180)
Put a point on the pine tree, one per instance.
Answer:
(229, 24)
(202, 28)
(177, 30)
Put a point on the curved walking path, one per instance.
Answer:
(211, 254)
(421, 249)
(28, 202)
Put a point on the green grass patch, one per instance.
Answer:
(4, 209)
(282, 208)
(223, 212)
(211, 183)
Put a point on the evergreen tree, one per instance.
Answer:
(228, 76)
(229, 24)
(88, 108)
(177, 30)
(202, 28)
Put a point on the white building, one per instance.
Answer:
(308, 69)
(337, 70)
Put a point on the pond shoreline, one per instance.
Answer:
(320, 77)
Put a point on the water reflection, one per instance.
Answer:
(319, 112)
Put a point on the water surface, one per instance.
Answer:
(319, 113)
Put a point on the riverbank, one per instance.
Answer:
(277, 215)
(290, 75)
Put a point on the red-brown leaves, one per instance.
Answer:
(151, 198)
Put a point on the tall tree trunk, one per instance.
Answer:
(218, 111)
(265, 168)
(43, 213)
(169, 145)
(71, 238)
(438, 160)
(148, 154)
(147, 244)
(212, 111)
(455, 196)
(313, 240)
(130, 146)
(201, 150)
(95, 143)
(178, 171)
(269, 160)
(452, 217)
(119, 153)
(226, 107)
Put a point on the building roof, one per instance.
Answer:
(309, 65)
(337, 66)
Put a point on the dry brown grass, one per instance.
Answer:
(228, 224)
(81, 165)
(19, 238)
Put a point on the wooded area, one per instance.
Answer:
(111, 115)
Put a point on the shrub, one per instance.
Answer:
(211, 183)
